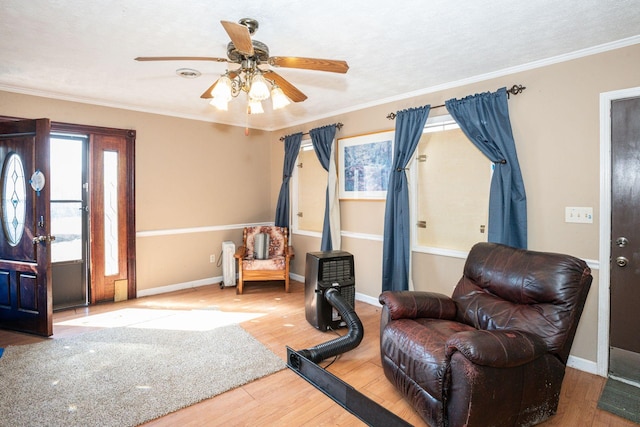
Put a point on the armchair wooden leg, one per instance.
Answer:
(240, 283)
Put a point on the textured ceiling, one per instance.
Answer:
(83, 50)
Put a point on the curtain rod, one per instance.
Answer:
(338, 125)
(515, 89)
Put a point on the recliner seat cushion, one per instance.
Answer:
(418, 348)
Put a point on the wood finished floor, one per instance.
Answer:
(285, 399)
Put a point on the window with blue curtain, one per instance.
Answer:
(484, 118)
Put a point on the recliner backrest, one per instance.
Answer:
(537, 292)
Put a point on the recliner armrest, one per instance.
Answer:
(497, 348)
(414, 304)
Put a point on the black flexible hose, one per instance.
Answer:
(346, 342)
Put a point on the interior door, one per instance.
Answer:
(624, 332)
(25, 265)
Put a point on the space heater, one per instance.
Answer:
(228, 263)
(323, 271)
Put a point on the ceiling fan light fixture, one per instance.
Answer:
(255, 107)
(278, 98)
(220, 103)
(259, 89)
(223, 89)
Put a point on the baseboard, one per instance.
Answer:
(368, 299)
(296, 277)
(179, 286)
(582, 365)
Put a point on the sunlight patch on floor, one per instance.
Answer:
(175, 320)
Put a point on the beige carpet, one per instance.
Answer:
(125, 376)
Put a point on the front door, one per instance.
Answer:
(25, 265)
(624, 335)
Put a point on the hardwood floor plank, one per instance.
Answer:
(285, 398)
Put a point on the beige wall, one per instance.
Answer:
(196, 184)
(556, 126)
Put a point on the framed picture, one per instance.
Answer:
(364, 163)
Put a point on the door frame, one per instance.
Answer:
(130, 137)
(604, 300)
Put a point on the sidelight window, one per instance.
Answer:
(111, 259)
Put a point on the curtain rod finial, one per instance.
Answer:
(515, 89)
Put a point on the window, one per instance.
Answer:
(309, 191)
(68, 196)
(451, 187)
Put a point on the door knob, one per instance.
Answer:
(622, 242)
(621, 261)
(40, 239)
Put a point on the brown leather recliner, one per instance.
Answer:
(494, 353)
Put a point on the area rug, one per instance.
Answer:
(621, 399)
(125, 376)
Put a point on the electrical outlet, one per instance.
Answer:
(212, 258)
(582, 215)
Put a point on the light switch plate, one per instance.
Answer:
(578, 214)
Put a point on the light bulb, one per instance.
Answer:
(222, 89)
(259, 90)
(220, 104)
(278, 98)
(255, 107)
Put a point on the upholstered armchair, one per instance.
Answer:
(494, 353)
(273, 265)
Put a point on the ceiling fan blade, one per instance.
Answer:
(180, 58)
(290, 90)
(317, 64)
(207, 93)
(239, 35)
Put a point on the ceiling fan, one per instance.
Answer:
(252, 76)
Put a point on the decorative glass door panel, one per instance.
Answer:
(14, 195)
(111, 255)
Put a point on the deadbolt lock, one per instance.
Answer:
(622, 242)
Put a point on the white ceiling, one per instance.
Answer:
(83, 50)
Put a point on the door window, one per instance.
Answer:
(111, 247)
(67, 204)
(14, 194)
